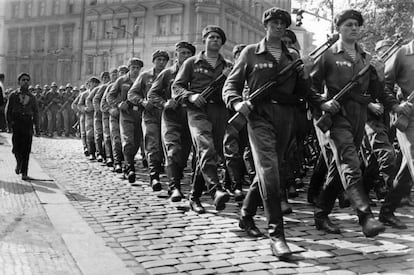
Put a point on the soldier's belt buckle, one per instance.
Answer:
(135, 108)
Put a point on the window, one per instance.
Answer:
(121, 27)
(89, 64)
(15, 7)
(68, 37)
(51, 72)
(138, 26)
(162, 25)
(38, 73)
(175, 24)
(92, 27)
(11, 74)
(26, 39)
(39, 40)
(55, 7)
(53, 38)
(107, 29)
(28, 9)
(12, 40)
(42, 8)
(120, 59)
(70, 6)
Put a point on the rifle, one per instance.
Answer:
(325, 121)
(401, 122)
(238, 120)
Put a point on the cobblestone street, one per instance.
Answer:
(153, 235)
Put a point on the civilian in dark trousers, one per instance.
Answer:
(22, 113)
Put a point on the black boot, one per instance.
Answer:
(176, 195)
(196, 206)
(388, 218)
(278, 244)
(155, 183)
(130, 173)
(174, 187)
(325, 224)
(109, 162)
(248, 225)
(118, 168)
(220, 198)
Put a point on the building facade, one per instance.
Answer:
(71, 40)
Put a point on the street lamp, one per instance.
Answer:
(123, 28)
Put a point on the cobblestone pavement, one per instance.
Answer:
(147, 231)
(28, 242)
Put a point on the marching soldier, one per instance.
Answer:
(78, 105)
(65, 109)
(52, 107)
(334, 70)
(207, 117)
(151, 116)
(130, 117)
(271, 122)
(400, 71)
(93, 104)
(104, 107)
(175, 134)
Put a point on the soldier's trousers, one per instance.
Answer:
(89, 129)
(207, 127)
(235, 144)
(151, 128)
(177, 143)
(107, 135)
(382, 157)
(130, 127)
(52, 121)
(82, 130)
(67, 121)
(404, 179)
(22, 141)
(345, 166)
(98, 132)
(114, 128)
(270, 128)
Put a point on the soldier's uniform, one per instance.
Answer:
(175, 133)
(104, 107)
(95, 99)
(270, 124)
(65, 109)
(78, 105)
(400, 71)
(40, 105)
(207, 123)
(53, 101)
(89, 120)
(130, 116)
(334, 70)
(151, 117)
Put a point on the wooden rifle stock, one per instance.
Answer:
(324, 123)
(238, 120)
(401, 123)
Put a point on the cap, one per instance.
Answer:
(94, 79)
(82, 88)
(46, 87)
(61, 87)
(276, 13)
(68, 85)
(21, 75)
(216, 29)
(135, 61)
(348, 14)
(186, 45)
(105, 74)
(37, 87)
(159, 53)
(75, 88)
(123, 68)
(114, 71)
(53, 84)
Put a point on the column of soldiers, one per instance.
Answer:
(170, 114)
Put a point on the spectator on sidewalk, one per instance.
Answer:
(22, 114)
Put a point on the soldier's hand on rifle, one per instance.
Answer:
(379, 68)
(198, 100)
(332, 106)
(170, 104)
(376, 108)
(403, 108)
(244, 107)
(226, 71)
(147, 105)
(123, 106)
(308, 64)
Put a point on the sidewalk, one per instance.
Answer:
(41, 232)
